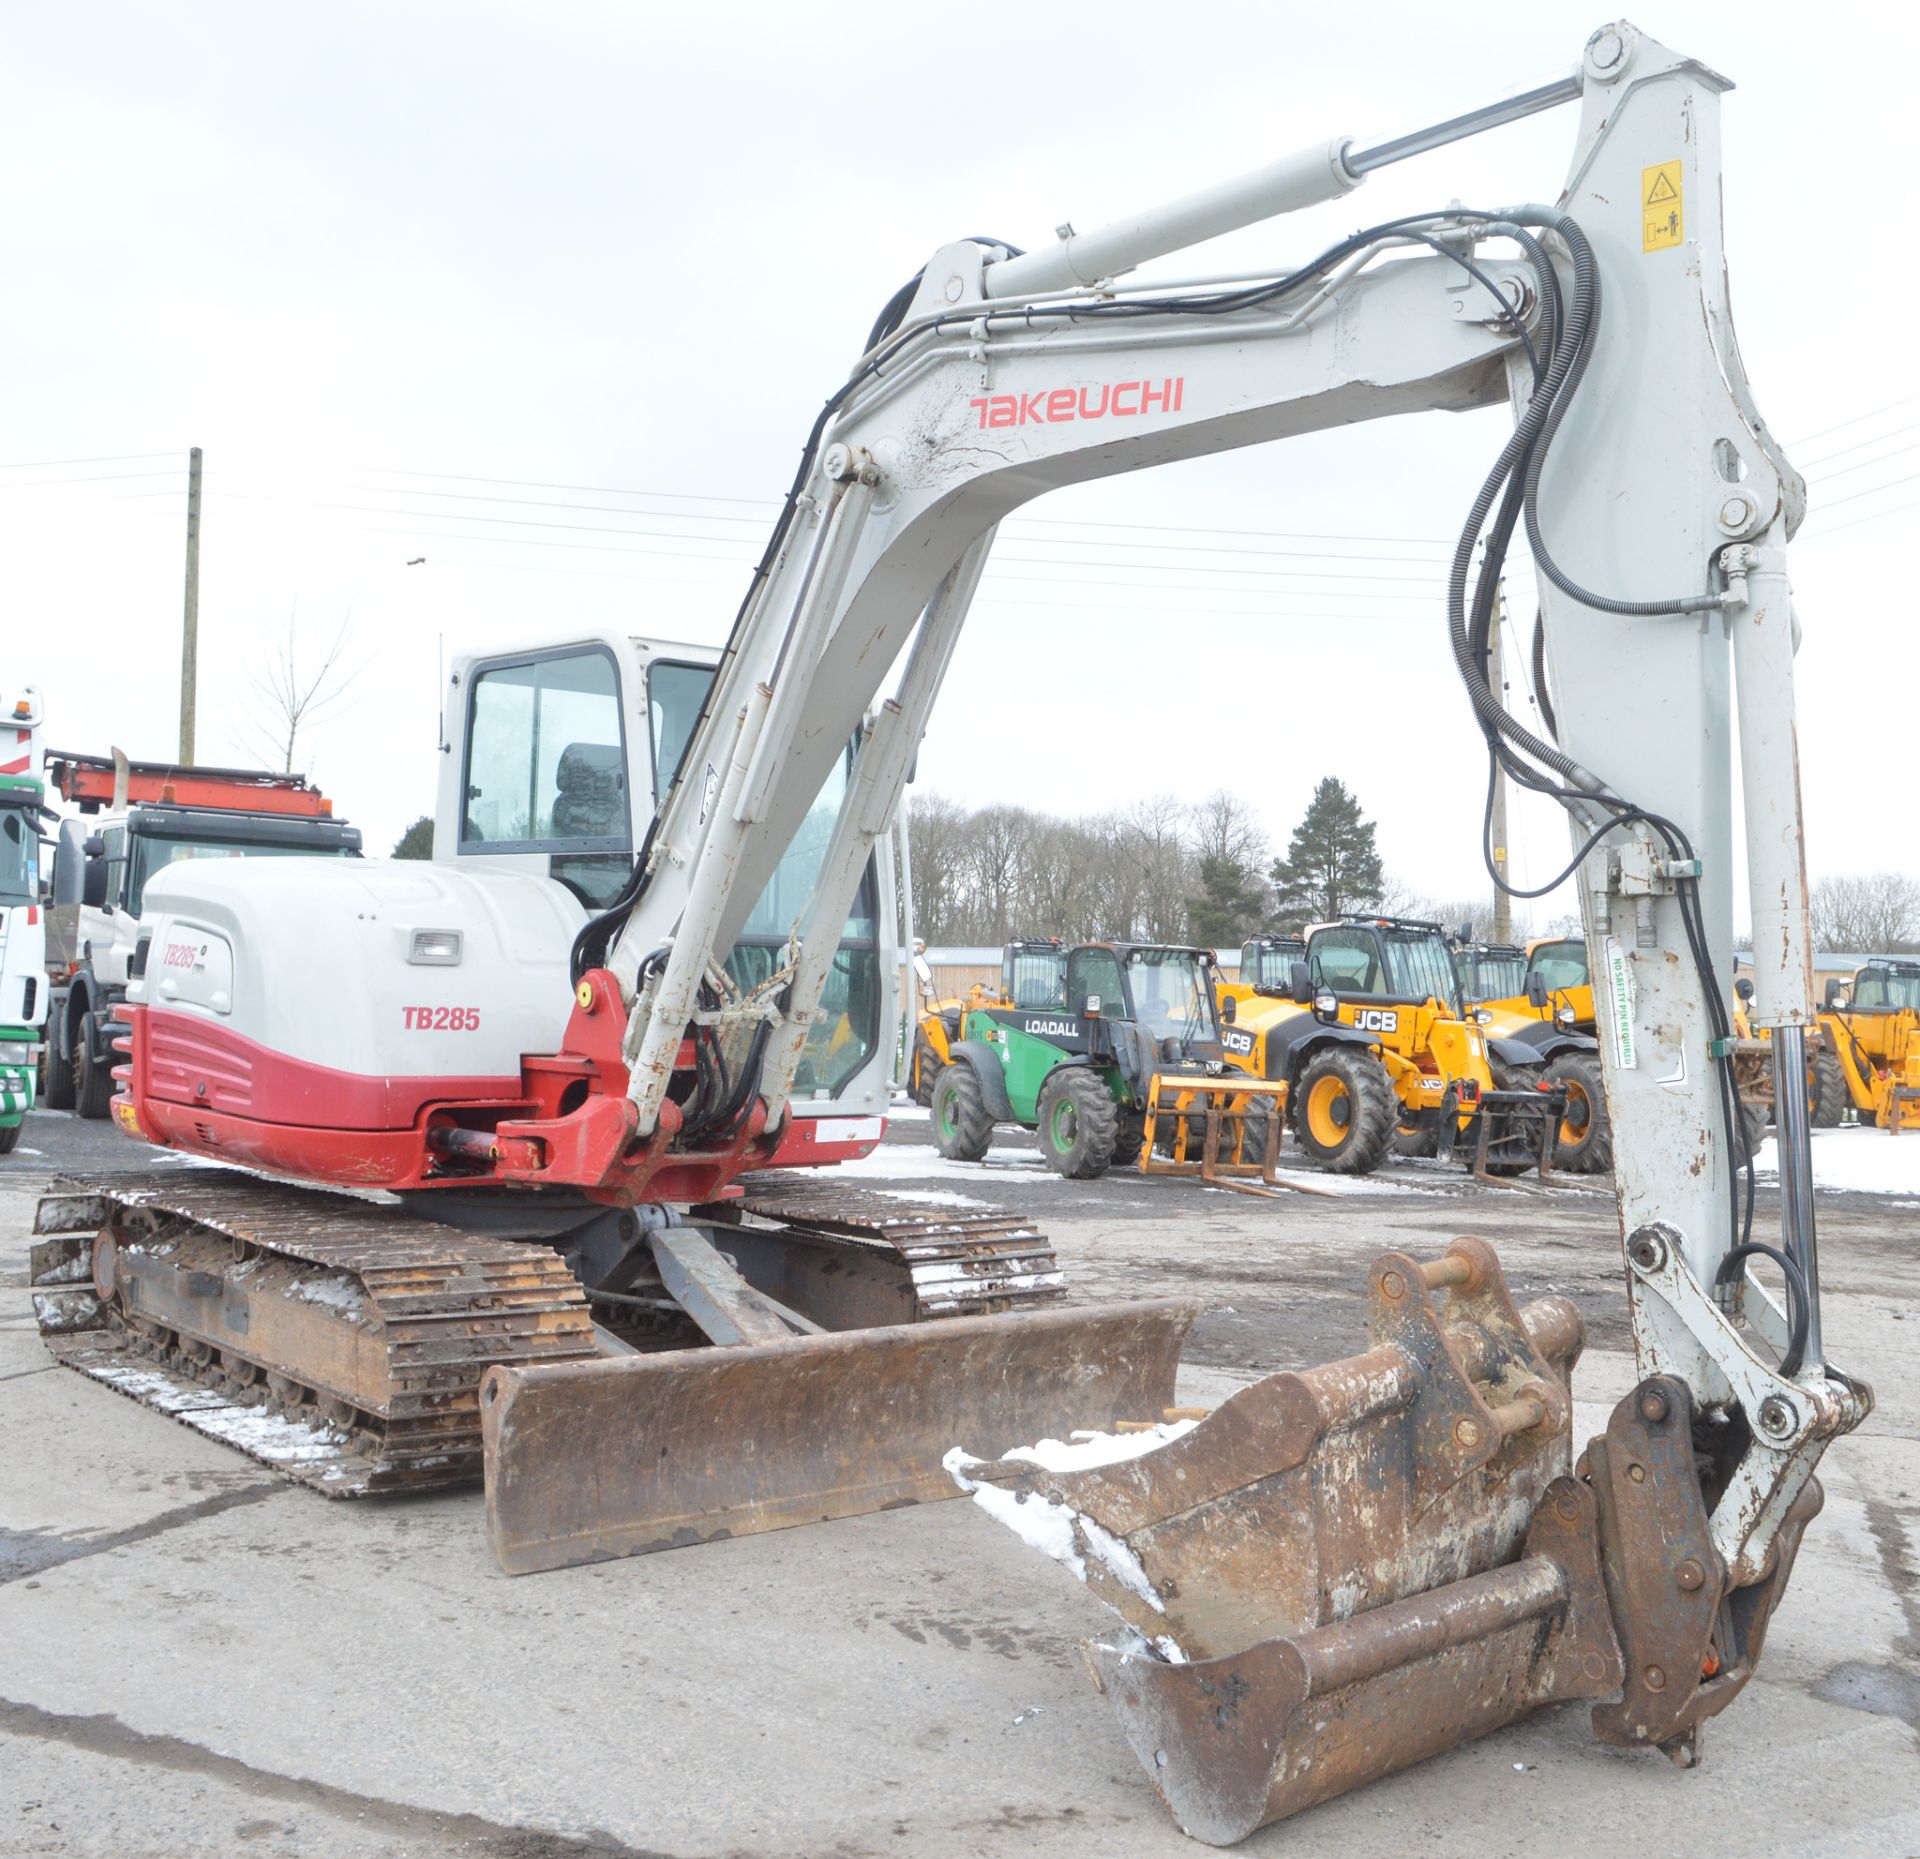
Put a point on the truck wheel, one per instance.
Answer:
(1585, 1143)
(1345, 1112)
(1753, 1125)
(1829, 1099)
(1417, 1134)
(926, 1069)
(1129, 1137)
(1079, 1123)
(92, 1083)
(59, 1068)
(8, 1137)
(962, 1123)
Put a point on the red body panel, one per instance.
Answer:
(565, 1121)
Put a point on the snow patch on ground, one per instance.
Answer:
(923, 1162)
(1855, 1161)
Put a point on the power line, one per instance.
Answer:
(1872, 490)
(1866, 464)
(1858, 418)
(110, 458)
(1853, 522)
(105, 477)
(1318, 593)
(1858, 444)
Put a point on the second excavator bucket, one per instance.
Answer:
(591, 1460)
(1342, 1571)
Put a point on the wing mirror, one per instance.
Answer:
(1837, 992)
(93, 883)
(1229, 1010)
(1300, 983)
(1536, 990)
(94, 846)
(1743, 986)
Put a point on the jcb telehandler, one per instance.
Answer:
(1127, 1068)
(1277, 1024)
(1391, 981)
(1873, 1029)
(1032, 974)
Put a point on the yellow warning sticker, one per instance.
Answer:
(1661, 219)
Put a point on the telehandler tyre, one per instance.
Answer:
(1417, 1134)
(1585, 1142)
(1079, 1123)
(1829, 1099)
(1253, 1135)
(926, 1069)
(1130, 1138)
(1345, 1112)
(962, 1123)
(1753, 1126)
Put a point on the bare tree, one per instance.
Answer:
(295, 685)
(1875, 913)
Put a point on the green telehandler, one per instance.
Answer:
(1128, 1069)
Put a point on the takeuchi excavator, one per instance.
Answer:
(1342, 1570)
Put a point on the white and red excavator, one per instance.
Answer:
(1339, 1571)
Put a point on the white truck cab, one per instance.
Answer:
(23, 954)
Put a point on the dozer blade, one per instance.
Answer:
(591, 1460)
(1342, 1571)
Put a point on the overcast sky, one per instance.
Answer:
(549, 295)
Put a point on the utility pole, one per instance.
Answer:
(1502, 903)
(190, 623)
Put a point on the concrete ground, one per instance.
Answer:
(198, 1658)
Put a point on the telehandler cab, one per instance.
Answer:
(1032, 974)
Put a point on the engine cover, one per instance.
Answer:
(347, 993)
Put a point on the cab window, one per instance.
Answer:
(546, 757)
(1094, 973)
(1347, 961)
(1560, 965)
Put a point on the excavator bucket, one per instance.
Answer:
(590, 1460)
(1342, 1571)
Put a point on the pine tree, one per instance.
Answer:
(1230, 905)
(417, 840)
(1332, 865)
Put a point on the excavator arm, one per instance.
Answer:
(1658, 508)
